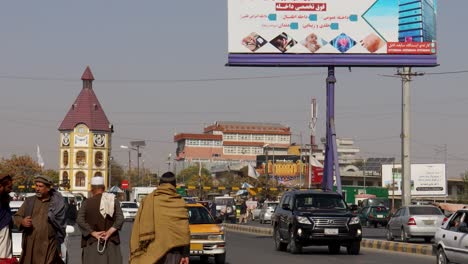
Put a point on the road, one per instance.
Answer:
(247, 249)
(367, 232)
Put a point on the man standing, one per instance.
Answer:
(42, 220)
(243, 212)
(161, 231)
(99, 218)
(6, 184)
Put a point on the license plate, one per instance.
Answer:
(428, 222)
(196, 247)
(331, 231)
(379, 216)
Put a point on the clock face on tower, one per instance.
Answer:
(81, 141)
(99, 140)
(65, 139)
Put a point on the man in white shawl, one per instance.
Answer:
(100, 217)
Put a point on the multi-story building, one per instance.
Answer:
(232, 142)
(417, 22)
(85, 140)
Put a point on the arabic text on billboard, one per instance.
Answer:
(332, 32)
(426, 179)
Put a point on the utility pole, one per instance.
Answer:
(300, 163)
(312, 125)
(406, 134)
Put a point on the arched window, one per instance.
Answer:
(98, 174)
(65, 180)
(80, 179)
(81, 158)
(65, 158)
(98, 159)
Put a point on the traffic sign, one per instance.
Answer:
(124, 184)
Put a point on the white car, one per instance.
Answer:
(451, 239)
(17, 236)
(129, 210)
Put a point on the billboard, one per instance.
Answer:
(426, 179)
(332, 33)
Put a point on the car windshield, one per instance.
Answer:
(272, 205)
(129, 205)
(379, 209)
(199, 215)
(224, 201)
(429, 210)
(319, 201)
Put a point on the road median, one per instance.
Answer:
(366, 243)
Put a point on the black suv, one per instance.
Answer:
(305, 218)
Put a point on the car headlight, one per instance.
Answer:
(303, 220)
(354, 221)
(216, 237)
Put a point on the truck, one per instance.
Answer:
(139, 193)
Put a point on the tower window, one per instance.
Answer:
(81, 158)
(98, 159)
(65, 158)
(80, 179)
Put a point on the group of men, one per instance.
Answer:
(160, 232)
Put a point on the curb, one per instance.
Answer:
(366, 243)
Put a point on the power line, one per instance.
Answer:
(30, 78)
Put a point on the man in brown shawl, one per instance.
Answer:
(161, 231)
(42, 220)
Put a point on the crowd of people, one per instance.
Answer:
(42, 218)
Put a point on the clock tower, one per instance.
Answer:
(85, 140)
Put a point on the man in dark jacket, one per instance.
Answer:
(42, 220)
(6, 184)
(99, 218)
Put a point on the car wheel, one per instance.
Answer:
(261, 220)
(220, 258)
(441, 257)
(334, 248)
(294, 246)
(204, 259)
(389, 235)
(376, 225)
(404, 235)
(279, 246)
(427, 239)
(354, 248)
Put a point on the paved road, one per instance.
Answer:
(367, 232)
(246, 249)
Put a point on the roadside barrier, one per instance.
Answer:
(366, 243)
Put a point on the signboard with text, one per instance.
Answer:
(426, 179)
(332, 33)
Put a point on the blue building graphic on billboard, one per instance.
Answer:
(417, 21)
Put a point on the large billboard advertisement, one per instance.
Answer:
(426, 179)
(332, 33)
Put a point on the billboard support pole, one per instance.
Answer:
(405, 136)
(331, 156)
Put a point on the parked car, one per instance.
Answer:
(306, 218)
(451, 239)
(268, 208)
(129, 210)
(17, 236)
(256, 212)
(374, 216)
(415, 221)
(206, 236)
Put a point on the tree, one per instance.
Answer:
(189, 176)
(464, 196)
(22, 168)
(116, 172)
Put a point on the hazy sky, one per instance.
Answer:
(138, 50)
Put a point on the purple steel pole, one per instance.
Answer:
(327, 181)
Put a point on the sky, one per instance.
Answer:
(160, 69)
